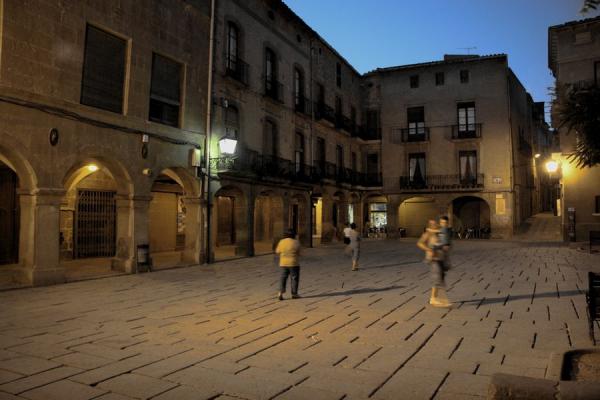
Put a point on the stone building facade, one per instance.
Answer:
(457, 140)
(294, 105)
(574, 59)
(101, 106)
(113, 116)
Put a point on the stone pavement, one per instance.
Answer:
(217, 331)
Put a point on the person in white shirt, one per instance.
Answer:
(347, 231)
(354, 245)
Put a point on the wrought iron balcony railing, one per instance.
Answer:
(466, 131)
(274, 89)
(237, 69)
(302, 105)
(443, 182)
(324, 112)
(254, 165)
(414, 134)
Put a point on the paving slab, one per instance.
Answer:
(217, 330)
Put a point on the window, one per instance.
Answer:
(103, 70)
(232, 122)
(299, 152)
(339, 158)
(338, 74)
(353, 116)
(270, 73)
(320, 94)
(320, 155)
(232, 46)
(299, 90)
(270, 145)
(165, 91)
(467, 161)
(597, 208)
(416, 169)
(354, 165)
(464, 76)
(416, 122)
(466, 118)
(372, 163)
(597, 72)
(338, 106)
(414, 81)
(439, 78)
(372, 119)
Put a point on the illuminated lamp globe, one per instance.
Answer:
(92, 168)
(552, 166)
(227, 145)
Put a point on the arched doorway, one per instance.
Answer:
(230, 239)
(470, 217)
(9, 215)
(167, 220)
(93, 227)
(413, 214)
(375, 216)
(268, 222)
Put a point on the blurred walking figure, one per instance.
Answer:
(430, 243)
(347, 231)
(288, 249)
(445, 239)
(354, 246)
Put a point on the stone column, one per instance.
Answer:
(132, 230)
(193, 251)
(246, 243)
(392, 216)
(39, 237)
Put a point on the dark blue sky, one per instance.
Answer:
(382, 33)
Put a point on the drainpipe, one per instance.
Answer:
(209, 256)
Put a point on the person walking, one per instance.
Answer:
(354, 246)
(347, 231)
(288, 250)
(434, 255)
(445, 239)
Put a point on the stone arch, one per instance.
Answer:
(174, 218)
(95, 217)
(414, 212)
(230, 227)
(470, 216)
(17, 181)
(269, 221)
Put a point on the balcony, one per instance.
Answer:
(324, 112)
(443, 183)
(274, 89)
(367, 133)
(254, 165)
(525, 147)
(302, 105)
(237, 69)
(466, 131)
(409, 135)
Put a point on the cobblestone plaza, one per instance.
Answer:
(218, 331)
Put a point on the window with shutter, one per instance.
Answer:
(165, 91)
(103, 70)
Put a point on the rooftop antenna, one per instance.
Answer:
(468, 49)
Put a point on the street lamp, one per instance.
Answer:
(227, 145)
(552, 166)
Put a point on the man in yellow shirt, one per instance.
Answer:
(288, 249)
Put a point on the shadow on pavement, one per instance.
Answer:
(392, 265)
(355, 291)
(493, 300)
